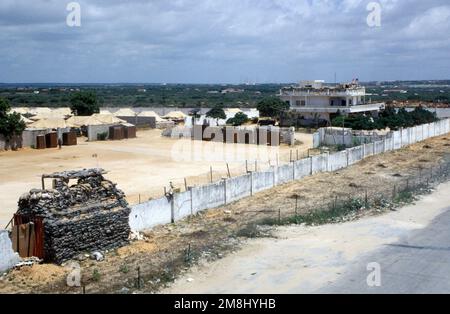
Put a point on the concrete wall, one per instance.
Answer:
(161, 211)
(183, 205)
(208, 196)
(319, 163)
(263, 180)
(379, 147)
(152, 213)
(303, 168)
(355, 154)
(368, 150)
(284, 173)
(238, 187)
(94, 130)
(337, 161)
(7, 256)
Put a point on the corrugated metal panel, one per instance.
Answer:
(51, 140)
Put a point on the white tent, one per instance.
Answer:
(79, 121)
(107, 119)
(125, 112)
(26, 120)
(150, 113)
(51, 123)
(175, 115)
(21, 110)
(40, 110)
(65, 111)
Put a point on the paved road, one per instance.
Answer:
(417, 263)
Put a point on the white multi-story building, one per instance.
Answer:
(314, 99)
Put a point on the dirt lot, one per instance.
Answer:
(169, 250)
(141, 167)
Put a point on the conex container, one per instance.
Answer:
(51, 140)
(116, 133)
(69, 138)
(40, 142)
(130, 131)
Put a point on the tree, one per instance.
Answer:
(239, 119)
(11, 124)
(272, 107)
(84, 103)
(217, 112)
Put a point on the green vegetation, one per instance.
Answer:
(272, 107)
(124, 269)
(11, 124)
(389, 118)
(203, 96)
(102, 136)
(147, 95)
(84, 103)
(96, 276)
(239, 119)
(217, 112)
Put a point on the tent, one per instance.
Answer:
(233, 110)
(107, 118)
(50, 115)
(40, 110)
(79, 121)
(150, 113)
(127, 112)
(66, 111)
(176, 115)
(51, 123)
(26, 120)
(20, 110)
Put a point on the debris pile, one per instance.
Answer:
(90, 215)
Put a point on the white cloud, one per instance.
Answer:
(220, 40)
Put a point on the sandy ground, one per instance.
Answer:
(306, 259)
(141, 166)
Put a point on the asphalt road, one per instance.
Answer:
(418, 263)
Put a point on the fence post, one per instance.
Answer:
(172, 209)
(225, 191)
(251, 184)
(192, 201)
(311, 166)
(348, 157)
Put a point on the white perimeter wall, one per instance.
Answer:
(161, 211)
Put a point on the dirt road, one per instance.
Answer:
(314, 259)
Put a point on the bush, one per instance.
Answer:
(239, 119)
(102, 136)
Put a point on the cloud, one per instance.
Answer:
(222, 41)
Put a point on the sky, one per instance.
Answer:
(223, 41)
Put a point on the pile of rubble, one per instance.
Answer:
(90, 215)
